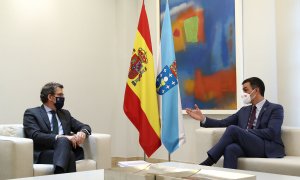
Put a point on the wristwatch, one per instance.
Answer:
(86, 132)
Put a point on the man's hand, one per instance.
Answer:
(76, 139)
(73, 140)
(80, 137)
(195, 113)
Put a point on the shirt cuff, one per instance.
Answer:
(203, 122)
(58, 136)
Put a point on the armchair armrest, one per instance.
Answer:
(16, 155)
(98, 147)
(205, 139)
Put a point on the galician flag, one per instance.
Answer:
(140, 101)
(167, 87)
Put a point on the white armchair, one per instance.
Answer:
(288, 165)
(16, 154)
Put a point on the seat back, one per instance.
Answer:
(14, 130)
(290, 137)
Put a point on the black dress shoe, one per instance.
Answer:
(207, 162)
(58, 170)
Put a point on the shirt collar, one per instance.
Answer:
(260, 104)
(47, 108)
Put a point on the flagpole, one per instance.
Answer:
(169, 157)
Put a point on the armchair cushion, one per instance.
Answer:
(14, 130)
(81, 165)
(42, 169)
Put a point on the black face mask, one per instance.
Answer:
(59, 102)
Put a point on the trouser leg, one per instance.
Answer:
(231, 154)
(252, 145)
(63, 157)
(72, 163)
(62, 154)
(46, 157)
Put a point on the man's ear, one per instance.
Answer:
(50, 97)
(258, 90)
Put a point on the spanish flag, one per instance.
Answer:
(140, 101)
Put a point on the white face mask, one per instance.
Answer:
(247, 98)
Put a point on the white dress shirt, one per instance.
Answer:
(60, 129)
(258, 109)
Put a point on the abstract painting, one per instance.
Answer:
(205, 45)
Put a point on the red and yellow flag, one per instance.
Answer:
(140, 101)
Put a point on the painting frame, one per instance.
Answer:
(238, 9)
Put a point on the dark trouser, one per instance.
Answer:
(63, 156)
(237, 142)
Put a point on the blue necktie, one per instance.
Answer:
(54, 123)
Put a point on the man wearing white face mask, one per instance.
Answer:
(253, 131)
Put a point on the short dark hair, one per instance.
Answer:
(255, 82)
(47, 89)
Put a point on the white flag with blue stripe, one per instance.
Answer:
(172, 131)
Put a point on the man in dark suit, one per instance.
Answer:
(56, 134)
(253, 131)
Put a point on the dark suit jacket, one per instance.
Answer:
(37, 127)
(268, 126)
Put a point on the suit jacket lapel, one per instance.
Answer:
(263, 109)
(63, 120)
(45, 117)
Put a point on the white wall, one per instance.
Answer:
(125, 136)
(260, 44)
(288, 54)
(69, 41)
(86, 45)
